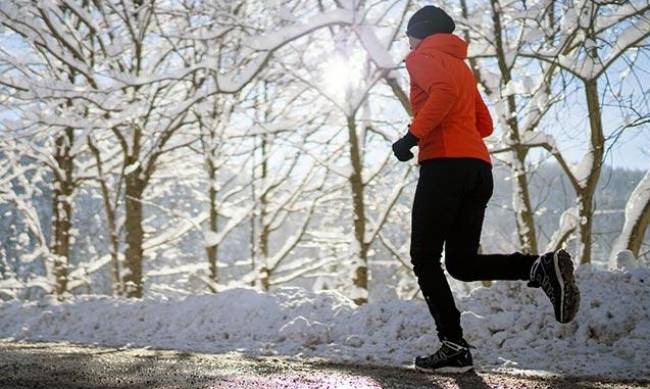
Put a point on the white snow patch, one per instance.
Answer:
(625, 260)
(584, 168)
(131, 168)
(211, 238)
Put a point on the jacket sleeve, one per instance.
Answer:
(431, 77)
(484, 123)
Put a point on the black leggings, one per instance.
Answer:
(449, 206)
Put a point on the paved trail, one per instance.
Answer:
(56, 365)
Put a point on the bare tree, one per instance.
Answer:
(584, 52)
(40, 80)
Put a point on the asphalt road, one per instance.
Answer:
(57, 365)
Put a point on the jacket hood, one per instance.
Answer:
(447, 43)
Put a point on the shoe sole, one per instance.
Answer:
(448, 369)
(569, 293)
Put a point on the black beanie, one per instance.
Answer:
(429, 20)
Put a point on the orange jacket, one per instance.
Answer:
(450, 118)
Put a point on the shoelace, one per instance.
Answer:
(533, 281)
(444, 351)
(543, 281)
(439, 355)
(548, 288)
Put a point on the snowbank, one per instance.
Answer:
(511, 325)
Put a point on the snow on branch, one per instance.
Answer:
(274, 40)
(579, 48)
(568, 224)
(636, 210)
(622, 12)
(633, 35)
(376, 50)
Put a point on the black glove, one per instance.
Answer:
(402, 148)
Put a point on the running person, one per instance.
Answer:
(454, 186)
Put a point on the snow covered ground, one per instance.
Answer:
(511, 325)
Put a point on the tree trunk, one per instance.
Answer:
(212, 250)
(585, 212)
(62, 210)
(253, 229)
(134, 252)
(360, 276)
(526, 234)
(587, 189)
(637, 219)
(526, 231)
(638, 230)
(264, 273)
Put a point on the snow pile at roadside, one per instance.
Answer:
(511, 325)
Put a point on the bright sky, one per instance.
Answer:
(632, 148)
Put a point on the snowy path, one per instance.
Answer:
(59, 365)
(511, 326)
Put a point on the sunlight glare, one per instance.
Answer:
(341, 75)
